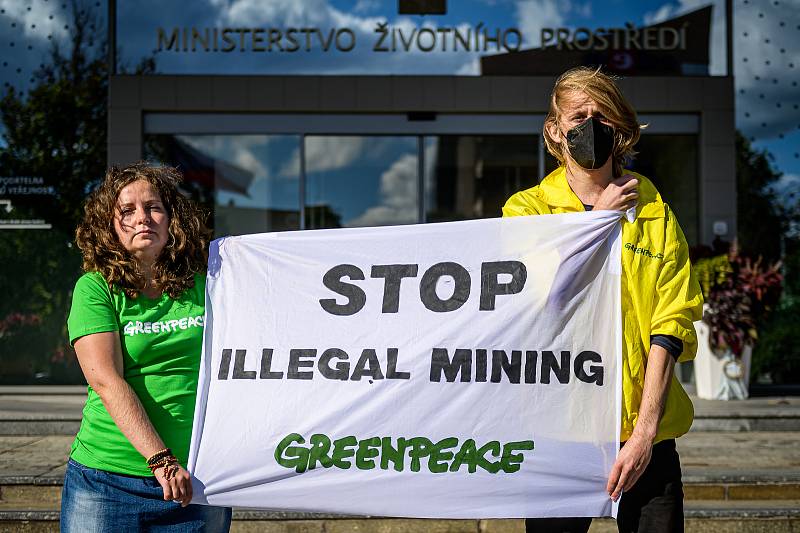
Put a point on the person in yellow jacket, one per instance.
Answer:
(591, 129)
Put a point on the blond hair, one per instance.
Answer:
(603, 90)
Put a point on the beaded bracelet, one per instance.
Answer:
(170, 471)
(165, 462)
(166, 452)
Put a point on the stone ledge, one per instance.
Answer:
(31, 480)
(39, 428)
(691, 476)
(263, 514)
(788, 422)
(271, 516)
(39, 390)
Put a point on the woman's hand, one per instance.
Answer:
(631, 462)
(178, 487)
(620, 195)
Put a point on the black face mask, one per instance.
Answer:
(590, 143)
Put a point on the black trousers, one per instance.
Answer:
(653, 505)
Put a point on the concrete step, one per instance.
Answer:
(40, 425)
(41, 410)
(44, 492)
(736, 480)
(753, 414)
(719, 466)
(56, 410)
(766, 420)
(699, 518)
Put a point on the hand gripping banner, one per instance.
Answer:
(456, 370)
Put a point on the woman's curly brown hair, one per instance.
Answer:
(185, 253)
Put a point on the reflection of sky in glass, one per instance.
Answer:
(369, 181)
(34, 25)
(271, 159)
(138, 35)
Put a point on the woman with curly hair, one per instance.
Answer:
(137, 327)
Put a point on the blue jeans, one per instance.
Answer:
(96, 501)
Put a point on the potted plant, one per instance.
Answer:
(739, 293)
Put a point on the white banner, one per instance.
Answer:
(457, 370)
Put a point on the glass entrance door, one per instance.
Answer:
(274, 173)
(260, 173)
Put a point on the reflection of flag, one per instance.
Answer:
(206, 170)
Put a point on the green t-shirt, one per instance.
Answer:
(161, 341)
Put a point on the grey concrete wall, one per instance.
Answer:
(711, 98)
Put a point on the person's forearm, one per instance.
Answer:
(657, 377)
(128, 413)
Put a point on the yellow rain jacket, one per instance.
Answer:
(659, 292)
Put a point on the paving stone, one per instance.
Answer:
(12, 442)
(57, 472)
(745, 450)
(37, 457)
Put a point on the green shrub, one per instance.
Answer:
(777, 351)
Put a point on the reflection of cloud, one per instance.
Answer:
(34, 17)
(365, 6)
(583, 10)
(398, 196)
(236, 149)
(471, 68)
(659, 15)
(325, 15)
(788, 184)
(326, 153)
(534, 15)
(274, 12)
(303, 14)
